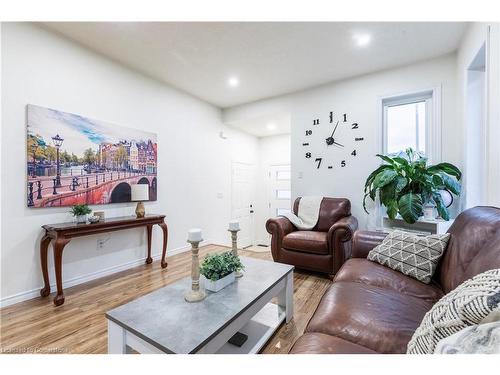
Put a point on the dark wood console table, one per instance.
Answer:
(64, 232)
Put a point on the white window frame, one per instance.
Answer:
(432, 97)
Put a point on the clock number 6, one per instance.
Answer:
(318, 160)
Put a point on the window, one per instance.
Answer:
(407, 123)
(283, 194)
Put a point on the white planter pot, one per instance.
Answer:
(81, 219)
(215, 286)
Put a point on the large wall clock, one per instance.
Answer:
(332, 141)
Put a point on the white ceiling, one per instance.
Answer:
(269, 58)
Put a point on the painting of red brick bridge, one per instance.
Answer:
(73, 160)
(96, 188)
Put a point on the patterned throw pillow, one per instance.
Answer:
(415, 256)
(466, 305)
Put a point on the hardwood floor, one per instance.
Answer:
(79, 326)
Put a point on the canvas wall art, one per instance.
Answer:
(75, 160)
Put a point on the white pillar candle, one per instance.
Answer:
(234, 225)
(194, 235)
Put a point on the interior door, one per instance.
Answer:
(279, 190)
(242, 201)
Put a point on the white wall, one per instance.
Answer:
(359, 97)
(475, 37)
(273, 150)
(194, 163)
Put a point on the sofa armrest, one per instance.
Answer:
(364, 241)
(278, 228)
(339, 240)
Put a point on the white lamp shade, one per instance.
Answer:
(140, 192)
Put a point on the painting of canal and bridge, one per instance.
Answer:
(75, 160)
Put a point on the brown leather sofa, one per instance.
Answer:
(322, 249)
(370, 308)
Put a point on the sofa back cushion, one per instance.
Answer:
(474, 247)
(331, 210)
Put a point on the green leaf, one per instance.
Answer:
(392, 209)
(451, 184)
(410, 207)
(388, 193)
(384, 178)
(387, 159)
(441, 208)
(401, 183)
(447, 168)
(372, 175)
(437, 180)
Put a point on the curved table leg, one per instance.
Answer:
(149, 229)
(44, 249)
(164, 227)
(58, 250)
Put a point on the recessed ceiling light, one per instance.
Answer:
(271, 126)
(233, 81)
(362, 40)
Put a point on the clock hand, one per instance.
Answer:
(338, 144)
(335, 128)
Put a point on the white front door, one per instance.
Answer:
(242, 201)
(279, 190)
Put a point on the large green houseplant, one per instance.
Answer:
(406, 183)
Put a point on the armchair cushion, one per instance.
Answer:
(307, 242)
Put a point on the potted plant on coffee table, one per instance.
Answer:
(80, 211)
(406, 183)
(218, 270)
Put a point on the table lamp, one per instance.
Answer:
(140, 193)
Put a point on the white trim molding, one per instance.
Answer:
(34, 293)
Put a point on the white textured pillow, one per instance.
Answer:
(415, 256)
(466, 305)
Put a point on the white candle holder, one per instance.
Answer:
(234, 241)
(195, 294)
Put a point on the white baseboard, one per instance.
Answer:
(34, 293)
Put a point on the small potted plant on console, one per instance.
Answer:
(80, 211)
(218, 270)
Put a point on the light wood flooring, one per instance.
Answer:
(79, 326)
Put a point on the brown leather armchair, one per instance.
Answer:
(322, 249)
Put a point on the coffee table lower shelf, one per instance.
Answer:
(259, 329)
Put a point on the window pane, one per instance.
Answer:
(283, 175)
(282, 211)
(283, 194)
(406, 127)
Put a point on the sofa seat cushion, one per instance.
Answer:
(367, 272)
(319, 343)
(307, 241)
(378, 318)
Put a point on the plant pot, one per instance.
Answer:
(215, 286)
(81, 219)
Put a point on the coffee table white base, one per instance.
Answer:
(259, 321)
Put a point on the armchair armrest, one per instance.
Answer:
(339, 240)
(364, 241)
(278, 228)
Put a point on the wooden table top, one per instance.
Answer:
(110, 222)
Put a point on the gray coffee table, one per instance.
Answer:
(162, 322)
